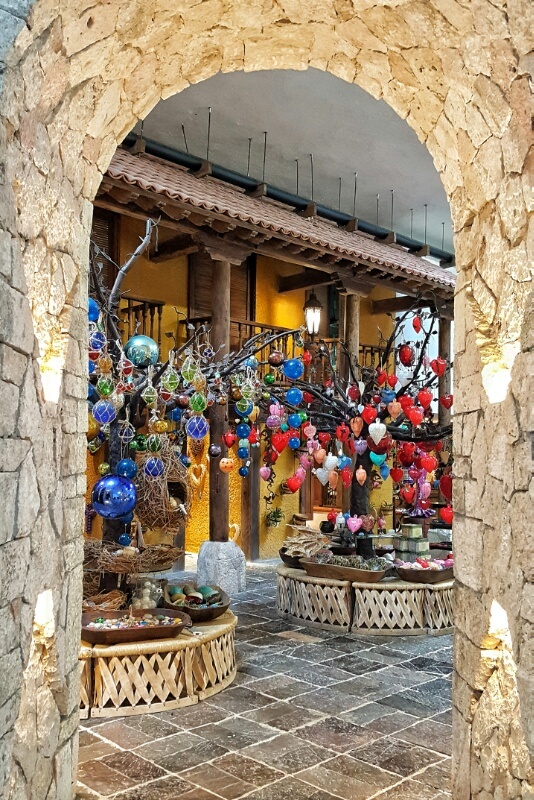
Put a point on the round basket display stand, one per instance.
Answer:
(320, 602)
(158, 675)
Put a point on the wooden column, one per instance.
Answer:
(220, 335)
(352, 340)
(444, 384)
(250, 508)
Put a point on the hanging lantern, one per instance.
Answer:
(312, 313)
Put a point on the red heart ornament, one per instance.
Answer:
(392, 380)
(438, 366)
(254, 436)
(306, 358)
(425, 398)
(346, 477)
(407, 493)
(445, 486)
(351, 447)
(405, 459)
(280, 440)
(424, 504)
(397, 474)
(415, 414)
(446, 401)
(429, 463)
(332, 515)
(324, 438)
(229, 438)
(293, 484)
(414, 473)
(383, 446)
(406, 402)
(342, 432)
(308, 397)
(354, 392)
(406, 355)
(381, 377)
(270, 456)
(416, 324)
(369, 414)
(447, 514)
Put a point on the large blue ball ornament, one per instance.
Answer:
(125, 540)
(243, 452)
(93, 310)
(113, 496)
(197, 427)
(154, 467)
(97, 340)
(175, 414)
(294, 443)
(293, 369)
(246, 412)
(104, 412)
(243, 430)
(126, 468)
(294, 421)
(141, 350)
(294, 396)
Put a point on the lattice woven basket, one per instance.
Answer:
(155, 508)
(322, 602)
(394, 609)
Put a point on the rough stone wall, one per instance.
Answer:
(76, 76)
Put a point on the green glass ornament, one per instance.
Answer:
(149, 395)
(104, 468)
(198, 402)
(189, 369)
(105, 386)
(284, 427)
(303, 416)
(133, 445)
(170, 380)
(141, 442)
(242, 405)
(247, 390)
(153, 443)
(269, 379)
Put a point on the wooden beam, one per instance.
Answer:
(394, 304)
(309, 211)
(303, 280)
(181, 245)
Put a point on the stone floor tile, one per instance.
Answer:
(287, 789)
(349, 778)
(417, 706)
(445, 717)
(195, 716)
(211, 778)
(282, 687)
(103, 779)
(428, 733)
(396, 756)
(122, 734)
(317, 653)
(328, 701)
(337, 734)
(390, 723)
(284, 716)
(430, 665)
(169, 788)
(241, 699)
(365, 714)
(299, 636)
(438, 775)
(236, 733)
(96, 750)
(288, 753)
(192, 756)
(355, 664)
(408, 790)
(160, 749)
(138, 769)
(247, 769)
(154, 726)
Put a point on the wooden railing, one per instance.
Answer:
(142, 315)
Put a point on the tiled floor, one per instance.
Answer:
(312, 715)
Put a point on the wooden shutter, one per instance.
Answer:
(105, 234)
(201, 268)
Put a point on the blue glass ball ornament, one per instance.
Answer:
(113, 496)
(242, 452)
(92, 367)
(388, 395)
(344, 461)
(294, 443)
(294, 396)
(154, 467)
(251, 362)
(197, 427)
(141, 350)
(243, 430)
(186, 461)
(126, 468)
(245, 412)
(293, 369)
(243, 471)
(97, 340)
(125, 540)
(93, 310)
(104, 412)
(346, 514)
(126, 518)
(294, 421)
(175, 414)
(384, 471)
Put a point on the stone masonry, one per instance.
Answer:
(76, 75)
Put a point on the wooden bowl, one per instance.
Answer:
(290, 561)
(339, 550)
(199, 614)
(148, 632)
(341, 573)
(425, 575)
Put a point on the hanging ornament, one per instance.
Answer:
(93, 310)
(294, 396)
(153, 467)
(265, 473)
(446, 515)
(197, 427)
(377, 458)
(308, 397)
(425, 397)
(105, 385)
(104, 468)
(397, 474)
(360, 445)
(392, 381)
(394, 409)
(406, 355)
(322, 475)
(446, 401)
(140, 442)
(126, 468)
(415, 414)
(105, 363)
(153, 443)
(361, 475)
(113, 496)
(416, 324)
(445, 487)
(170, 379)
(429, 463)
(93, 427)
(104, 412)
(354, 524)
(97, 340)
(407, 493)
(356, 425)
(342, 433)
(369, 414)
(406, 402)
(307, 358)
(346, 477)
(141, 350)
(150, 396)
(384, 472)
(275, 358)
(293, 369)
(198, 402)
(438, 366)
(226, 464)
(377, 431)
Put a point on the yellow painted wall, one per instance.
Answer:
(283, 310)
(371, 323)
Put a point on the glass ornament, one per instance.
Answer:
(243, 408)
(214, 451)
(273, 421)
(275, 358)
(242, 452)
(92, 427)
(198, 402)
(94, 355)
(104, 412)
(113, 496)
(226, 464)
(294, 420)
(303, 416)
(93, 310)
(175, 414)
(126, 432)
(133, 445)
(126, 366)
(294, 396)
(104, 468)
(293, 369)
(153, 443)
(153, 467)
(140, 441)
(124, 540)
(186, 461)
(189, 369)
(97, 340)
(248, 391)
(199, 381)
(170, 379)
(294, 443)
(197, 427)
(91, 367)
(126, 468)
(141, 350)
(182, 401)
(149, 395)
(243, 471)
(251, 362)
(269, 379)
(104, 363)
(160, 426)
(243, 443)
(94, 446)
(117, 398)
(105, 386)
(243, 430)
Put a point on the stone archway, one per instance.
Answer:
(74, 84)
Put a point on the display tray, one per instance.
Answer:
(341, 573)
(290, 561)
(425, 575)
(339, 550)
(200, 614)
(121, 636)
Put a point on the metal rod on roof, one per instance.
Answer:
(411, 223)
(185, 139)
(339, 196)
(426, 218)
(355, 194)
(311, 168)
(209, 132)
(297, 169)
(248, 159)
(392, 201)
(264, 153)
(442, 234)
(377, 207)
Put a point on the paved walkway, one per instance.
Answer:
(311, 716)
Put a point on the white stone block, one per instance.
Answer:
(222, 564)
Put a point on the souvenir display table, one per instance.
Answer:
(387, 607)
(158, 675)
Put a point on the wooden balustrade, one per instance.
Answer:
(142, 315)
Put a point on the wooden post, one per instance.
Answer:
(220, 335)
(444, 385)
(352, 340)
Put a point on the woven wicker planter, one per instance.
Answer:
(320, 602)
